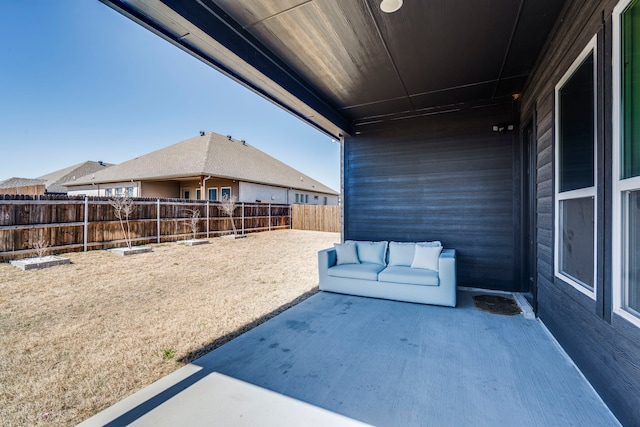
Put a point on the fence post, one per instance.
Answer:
(290, 217)
(242, 206)
(207, 219)
(158, 219)
(269, 216)
(86, 222)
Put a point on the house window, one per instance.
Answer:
(186, 194)
(130, 191)
(119, 192)
(575, 253)
(297, 198)
(225, 192)
(213, 194)
(108, 192)
(325, 200)
(626, 160)
(306, 198)
(198, 194)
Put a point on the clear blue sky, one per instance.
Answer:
(79, 81)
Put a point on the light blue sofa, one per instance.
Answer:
(394, 282)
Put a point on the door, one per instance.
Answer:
(530, 215)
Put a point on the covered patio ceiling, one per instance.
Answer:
(336, 64)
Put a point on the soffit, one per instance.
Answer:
(337, 63)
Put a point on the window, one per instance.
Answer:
(198, 194)
(575, 254)
(306, 198)
(626, 160)
(225, 192)
(213, 194)
(325, 200)
(297, 198)
(130, 191)
(120, 192)
(187, 195)
(108, 192)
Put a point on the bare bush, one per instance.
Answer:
(228, 206)
(123, 208)
(40, 247)
(194, 218)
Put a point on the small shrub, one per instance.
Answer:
(40, 247)
(228, 205)
(123, 207)
(194, 217)
(168, 353)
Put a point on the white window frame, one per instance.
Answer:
(209, 193)
(590, 48)
(222, 191)
(621, 187)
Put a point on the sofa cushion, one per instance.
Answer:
(371, 252)
(426, 257)
(346, 253)
(356, 271)
(401, 253)
(408, 275)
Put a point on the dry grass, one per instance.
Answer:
(76, 339)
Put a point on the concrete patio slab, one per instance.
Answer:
(383, 363)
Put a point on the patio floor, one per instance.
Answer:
(344, 360)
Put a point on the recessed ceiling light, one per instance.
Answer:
(390, 6)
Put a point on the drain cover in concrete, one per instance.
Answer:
(496, 304)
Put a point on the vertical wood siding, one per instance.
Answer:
(447, 177)
(606, 348)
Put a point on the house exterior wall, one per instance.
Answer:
(160, 189)
(250, 192)
(447, 177)
(605, 346)
(106, 190)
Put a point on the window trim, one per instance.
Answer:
(621, 187)
(209, 194)
(590, 48)
(222, 191)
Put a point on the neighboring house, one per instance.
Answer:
(51, 183)
(509, 130)
(54, 181)
(207, 167)
(26, 186)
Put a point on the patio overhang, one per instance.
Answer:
(337, 64)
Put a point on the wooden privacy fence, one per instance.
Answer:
(67, 223)
(315, 218)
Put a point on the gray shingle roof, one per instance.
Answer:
(55, 180)
(20, 182)
(210, 154)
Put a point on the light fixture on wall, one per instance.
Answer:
(390, 6)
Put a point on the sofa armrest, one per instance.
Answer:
(447, 267)
(326, 259)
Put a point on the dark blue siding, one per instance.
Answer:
(604, 346)
(448, 177)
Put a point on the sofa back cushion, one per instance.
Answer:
(371, 252)
(402, 254)
(426, 257)
(346, 253)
